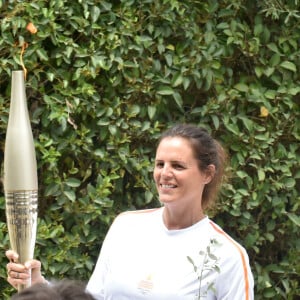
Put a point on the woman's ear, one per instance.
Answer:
(210, 173)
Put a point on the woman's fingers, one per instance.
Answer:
(17, 274)
(12, 255)
(33, 264)
(35, 267)
(17, 268)
(20, 274)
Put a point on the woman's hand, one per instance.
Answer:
(21, 274)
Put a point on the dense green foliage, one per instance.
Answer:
(106, 77)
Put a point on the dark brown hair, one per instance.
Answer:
(207, 151)
(61, 290)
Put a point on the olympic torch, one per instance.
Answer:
(20, 175)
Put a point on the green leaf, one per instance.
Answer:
(275, 60)
(258, 29)
(215, 121)
(258, 71)
(241, 174)
(178, 100)
(42, 54)
(165, 90)
(148, 196)
(99, 152)
(269, 71)
(133, 110)
(261, 175)
(73, 182)
(151, 111)
(70, 194)
(169, 59)
(273, 47)
(177, 80)
(248, 123)
(233, 128)
(294, 90)
(294, 218)
(50, 76)
(270, 237)
(112, 129)
(270, 94)
(289, 182)
(95, 13)
(289, 66)
(242, 87)
(269, 293)
(52, 189)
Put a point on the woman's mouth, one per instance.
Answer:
(167, 186)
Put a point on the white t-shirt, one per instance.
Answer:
(141, 259)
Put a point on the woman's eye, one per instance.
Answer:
(159, 165)
(178, 167)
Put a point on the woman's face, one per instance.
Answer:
(176, 173)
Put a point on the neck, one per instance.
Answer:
(181, 219)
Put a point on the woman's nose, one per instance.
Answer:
(166, 171)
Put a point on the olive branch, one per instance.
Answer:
(209, 262)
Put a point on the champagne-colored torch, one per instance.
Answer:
(20, 175)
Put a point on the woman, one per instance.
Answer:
(176, 251)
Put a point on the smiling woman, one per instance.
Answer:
(207, 153)
(176, 251)
(179, 182)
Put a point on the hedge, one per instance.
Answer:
(105, 78)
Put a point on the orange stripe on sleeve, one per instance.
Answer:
(241, 254)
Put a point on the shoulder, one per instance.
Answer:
(134, 216)
(139, 212)
(233, 248)
(235, 272)
(133, 223)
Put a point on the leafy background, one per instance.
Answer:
(105, 78)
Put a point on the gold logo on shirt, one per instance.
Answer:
(146, 285)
